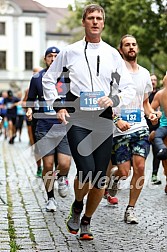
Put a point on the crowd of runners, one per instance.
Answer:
(97, 105)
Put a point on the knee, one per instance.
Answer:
(48, 167)
(101, 182)
(64, 165)
(124, 174)
(139, 171)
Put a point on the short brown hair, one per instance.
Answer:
(91, 8)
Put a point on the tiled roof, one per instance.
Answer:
(54, 15)
(28, 5)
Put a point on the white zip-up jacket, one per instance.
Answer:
(91, 67)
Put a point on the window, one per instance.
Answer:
(2, 60)
(28, 60)
(28, 29)
(2, 28)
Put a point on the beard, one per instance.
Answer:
(128, 57)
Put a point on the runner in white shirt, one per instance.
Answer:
(131, 144)
(99, 80)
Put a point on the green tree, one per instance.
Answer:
(145, 19)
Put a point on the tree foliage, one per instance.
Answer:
(145, 19)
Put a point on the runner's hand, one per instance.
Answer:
(105, 102)
(153, 118)
(62, 114)
(29, 114)
(122, 125)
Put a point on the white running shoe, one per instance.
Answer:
(51, 205)
(63, 187)
(130, 217)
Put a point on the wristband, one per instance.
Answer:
(116, 119)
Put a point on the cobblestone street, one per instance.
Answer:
(26, 226)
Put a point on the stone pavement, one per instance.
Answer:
(26, 226)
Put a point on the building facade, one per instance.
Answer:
(26, 30)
